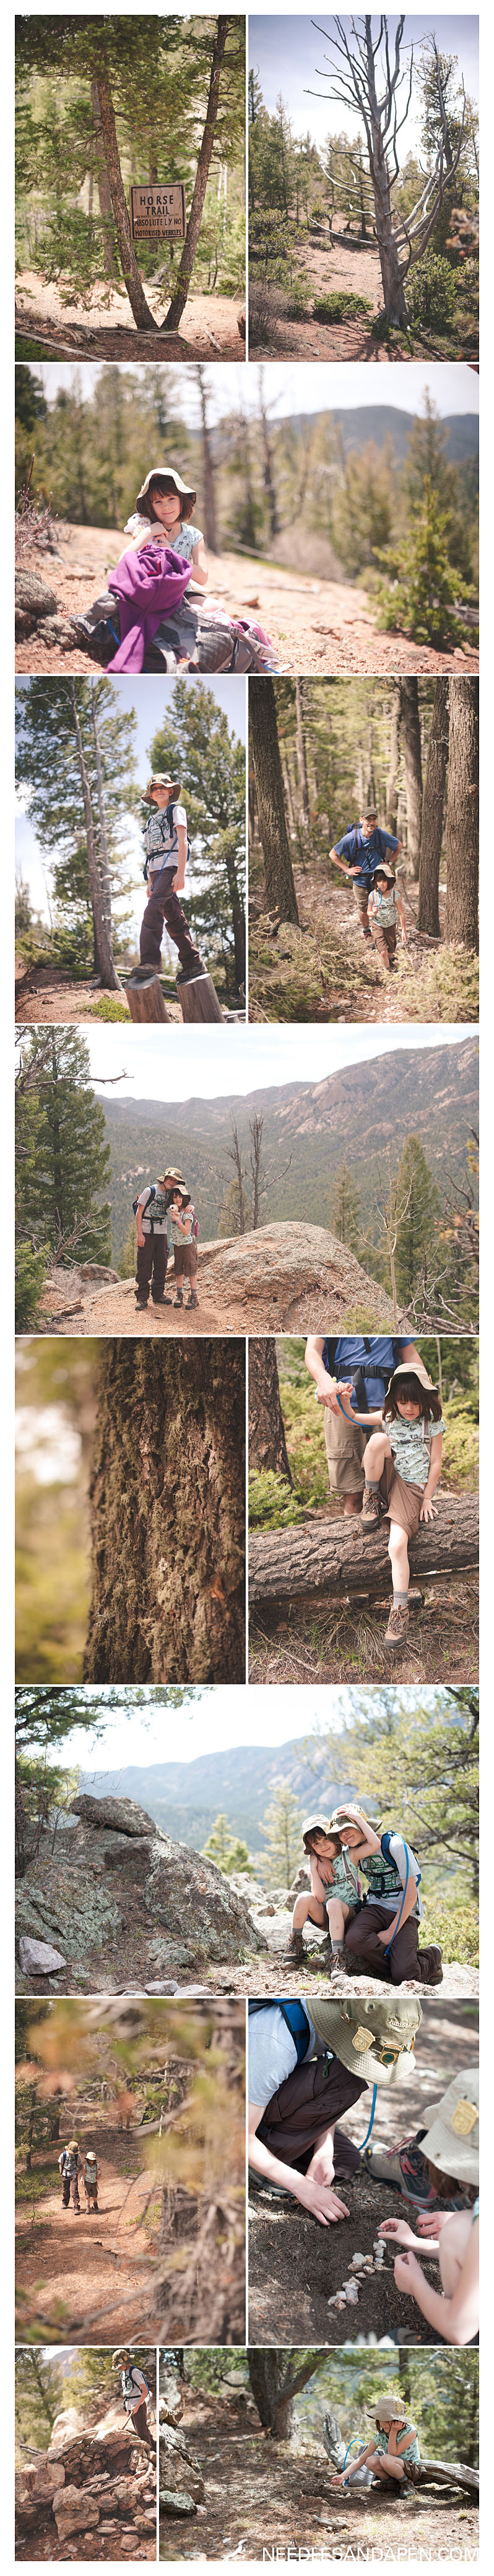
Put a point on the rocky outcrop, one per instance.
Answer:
(98, 2487)
(38, 1958)
(123, 1898)
(171, 2404)
(181, 2481)
(299, 1277)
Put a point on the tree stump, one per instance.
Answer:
(144, 996)
(198, 1000)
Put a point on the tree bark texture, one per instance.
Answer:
(393, 766)
(462, 826)
(167, 1515)
(143, 317)
(103, 187)
(104, 863)
(410, 723)
(279, 885)
(179, 299)
(267, 1444)
(145, 999)
(102, 943)
(433, 815)
(301, 757)
(199, 1000)
(335, 1557)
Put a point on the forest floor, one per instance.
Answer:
(326, 971)
(348, 268)
(295, 2265)
(264, 2494)
(51, 323)
(315, 625)
(85, 2277)
(113, 1310)
(46, 994)
(344, 1640)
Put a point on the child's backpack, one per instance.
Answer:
(166, 817)
(297, 2022)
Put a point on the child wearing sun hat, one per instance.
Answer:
(393, 2450)
(451, 2143)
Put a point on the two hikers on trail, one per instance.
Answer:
(71, 2166)
(363, 857)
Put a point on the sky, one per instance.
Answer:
(309, 388)
(151, 699)
(241, 1060)
(217, 1720)
(293, 69)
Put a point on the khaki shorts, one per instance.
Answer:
(403, 1502)
(345, 1445)
(361, 899)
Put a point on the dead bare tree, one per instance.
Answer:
(260, 1185)
(357, 63)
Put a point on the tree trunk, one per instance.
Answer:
(145, 998)
(301, 756)
(395, 304)
(462, 828)
(179, 299)
(410, 719)
(334, 1556)
(198, 1000)
(267, 2373)
(103, 187)
(393, 766)
(208, 495)
(143, 318)
(268, 476)
(167, 1510)
(267, 1444)
(104, 865)
(279, 886)
(433, 814)
(103, 955)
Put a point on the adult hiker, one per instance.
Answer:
(393, 2451)
(90, 2176)
(306, 2068)
(450, 2237)
(360, 1365)
(135, 2393)
(70, 2166)
(151, 1211)
(334, 1890)
(384, 1927)
(358, 855)
(167, 848)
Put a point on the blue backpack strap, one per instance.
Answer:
(298, 2024)
(385, 1843)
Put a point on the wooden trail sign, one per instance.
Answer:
(158, 213)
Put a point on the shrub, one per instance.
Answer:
(454, 1923)
(261, 321)
(30, 1274)
(296, 300)
(431, 292)
(108, 1008)
(341, 306)
(272, 1505)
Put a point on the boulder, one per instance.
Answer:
(179, 2468)
(75, 2510)
(121, 1815)
(171, 2404)
(188, 1894)
(38, 1959)
(33, 600)
(176, 2504)
(298, 1277)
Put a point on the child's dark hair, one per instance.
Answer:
(445, 2185)
(314, 1835)
(383, 875)
(408, 1390)
(165, 483)
(184, 1196)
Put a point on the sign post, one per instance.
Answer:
(158, 214)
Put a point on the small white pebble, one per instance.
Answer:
(359, 2258)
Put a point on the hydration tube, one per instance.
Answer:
(389, 1944)
(371, 2121)
(351, 2446)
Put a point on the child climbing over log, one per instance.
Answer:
(402, 1466)
(334, 1890)
(151, 623)
(392, 2452)
(385, 908)
(184, 1245)
(449, 2237)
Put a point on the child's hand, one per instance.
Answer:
(385, 1936)
(427, 1512)
(430, 2223)
(398, 2229)
(407, 2274)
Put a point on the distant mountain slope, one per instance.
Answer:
(377, 422)
(352, 1115)
(186, 1797)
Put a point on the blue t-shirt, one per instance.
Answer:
(384, 1354)
(368, 852)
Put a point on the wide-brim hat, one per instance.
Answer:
(413, 1368)
(384, 871)
(160, 778)
(185, 491)
(375, 2041)
(122, 2354)
(352, 1816)
(317, 1824)
(171, 1174)
(388, 2412)
(72, 2144)
(452, 2137)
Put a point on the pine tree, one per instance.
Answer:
(282, 1833)
(38, 2396)
(75, 755)
(229, 1852)
(61, 1197)
(417, 1227)
(344, 1208)
(196, 741)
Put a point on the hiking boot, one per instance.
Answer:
(191, 1301)
(431, 1967)
(188, 974)
(178, 1301)
(162, 1301)
(405, 2168)
(327, 1957)
(371, 1508)
(294, 1955)
(397, 1624)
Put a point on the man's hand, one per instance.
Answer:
(141, 1239)
(321, 2202)
(329, 1393)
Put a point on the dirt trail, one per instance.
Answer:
(106, 329)
(114, 1310)
(315, 625)
(44, 994)
(69, 2268)
(261, 2494)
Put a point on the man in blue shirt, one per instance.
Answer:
(357, 856)
(363, 1363)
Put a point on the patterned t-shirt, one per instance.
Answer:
(382, 908)
(344, 1880)
(412, 2449)
(182, 542)
(161, 845)
(410, 1448)
(154, 1213)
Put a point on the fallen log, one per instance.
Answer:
(144, 995)
(446, 2473)
(335, 1557)
(198, 1000)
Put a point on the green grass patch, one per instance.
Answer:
(108, 1008)
(340, 306)
(30, 2187)
(454, 1923)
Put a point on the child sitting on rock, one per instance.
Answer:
(385, 908)
(450, 2237)
(393, 2451)
(402, 1466)
(334, 1891)
(184, 1245)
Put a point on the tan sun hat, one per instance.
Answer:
(316, 1824)
(352, 1816)
(171, 1174)
(452, 2137)
(185, 492)
(387, 2411)
(413, 1368)
(161, 778)
(384, 871)
(375, 2041)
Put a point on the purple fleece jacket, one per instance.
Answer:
(148, 585)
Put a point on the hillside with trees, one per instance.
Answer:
(359, 247)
